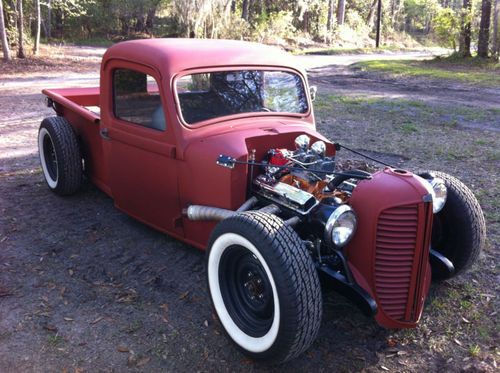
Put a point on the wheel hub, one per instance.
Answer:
(254, 286)
(246, 291)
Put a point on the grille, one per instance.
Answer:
(394, 258)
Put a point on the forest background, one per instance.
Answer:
(468, 27)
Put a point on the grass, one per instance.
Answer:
(475, 71)
(408, 113)
(455, 139)
(133, 327)
(390, 48)
(55, 340)
(370, 50)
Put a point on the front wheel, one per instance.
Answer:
(264, 286)
(459, 229)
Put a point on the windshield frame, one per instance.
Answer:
(230, 117)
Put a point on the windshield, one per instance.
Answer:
(211, 95)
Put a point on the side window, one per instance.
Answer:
(136, 99)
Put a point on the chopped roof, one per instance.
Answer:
(174, 55)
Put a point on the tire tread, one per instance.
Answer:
(302, 291)
(68, 153)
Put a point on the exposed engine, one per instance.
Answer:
(302, 178)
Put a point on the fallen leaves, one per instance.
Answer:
(95, 321)
(51, 328)
(122, 348)
(164, 317)
(5, 292)
(391, 342)
(184, 295)
(137, 360)
(128, 296)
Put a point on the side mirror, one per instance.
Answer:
(312, 91)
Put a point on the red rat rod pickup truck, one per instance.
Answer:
(213, 142)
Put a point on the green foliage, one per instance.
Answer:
(420, 13)
(447, 27)
(300, 23)
(276, 25)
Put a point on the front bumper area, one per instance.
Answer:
(389, 255)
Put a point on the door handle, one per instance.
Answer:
(105, 134)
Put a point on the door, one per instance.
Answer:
(143, 174)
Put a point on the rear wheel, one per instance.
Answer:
(60, 156)
(264, 286)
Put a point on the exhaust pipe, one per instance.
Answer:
(201, 213)
(197, 212)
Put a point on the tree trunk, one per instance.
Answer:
(484, 29)
(393, 11)
(3, 35)
(371, 14)
(150, 20)
(306, 24)
(36, 47)
(341, 12)
(496, 37)
(329, 23)
(245, 8)
(379, 23)
(465, 34)
(20, 29)
(49, 19)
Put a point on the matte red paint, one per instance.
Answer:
(390, 190)
(152, 175)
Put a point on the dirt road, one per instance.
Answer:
(84, 287)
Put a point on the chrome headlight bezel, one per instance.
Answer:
(437, 189)
(332, 226)
(302, 142)
(439, 194)
(319, 148)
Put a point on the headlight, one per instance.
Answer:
(319, 147)
(340, 226)
(439, 195)
(302, 142)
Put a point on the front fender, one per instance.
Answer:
(389, 254)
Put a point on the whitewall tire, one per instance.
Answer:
(264, 286)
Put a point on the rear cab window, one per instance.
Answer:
(136, 99)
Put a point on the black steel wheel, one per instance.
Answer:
(246, 290)
(60, 156)
(264, 286)
(459, 229)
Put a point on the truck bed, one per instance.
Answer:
(81, 101)
(81, 108)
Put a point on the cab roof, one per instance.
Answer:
(171, 56)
